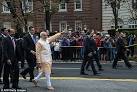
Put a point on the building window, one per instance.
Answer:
(62, 6)
(29, 23)
(5, 7)
(78, 5)
(134, 4)
(132, 24)
(7, 25)
(78, 25)
(63, 26)
(27, 6)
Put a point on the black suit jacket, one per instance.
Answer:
(89, 45)
(9, 50)
(20, 50)
(28, 45)
(120, 46)
(1, 47)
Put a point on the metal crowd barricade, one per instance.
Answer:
(72, 53)
(109, 52)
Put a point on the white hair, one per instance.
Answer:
(42, 33)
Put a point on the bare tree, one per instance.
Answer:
(12, 7)
(115, 5)
(20, 20)
(50, 7)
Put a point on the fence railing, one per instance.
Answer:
(77, 52)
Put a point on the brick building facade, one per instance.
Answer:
(74, 15)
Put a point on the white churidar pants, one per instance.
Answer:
(47, 75)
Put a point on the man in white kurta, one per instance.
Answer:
(44, 57)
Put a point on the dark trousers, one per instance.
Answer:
(95, 58)
(21, 59)
(64, 53)
(131, 51)
(1, 68)
(91, 62)
(56, 55)
(22, 63)
(72, 53)
(1, 61)
(30, 69)
(13, 72)
(121, 56)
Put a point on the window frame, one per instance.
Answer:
(29, 23)
(60, 26)
(28, 6)
(5, 6)
(75, 5)
(63, 10)
(134, 4)
(78, 21)
(132, 24)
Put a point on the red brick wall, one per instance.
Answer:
(91, 15)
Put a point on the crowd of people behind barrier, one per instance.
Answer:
(71, 47)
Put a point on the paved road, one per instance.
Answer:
(66, 78)
(73, 70)
(84, 85)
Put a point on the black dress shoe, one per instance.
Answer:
(23, 75)
(83, 74)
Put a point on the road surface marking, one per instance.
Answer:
(58, 68)
(81, 78)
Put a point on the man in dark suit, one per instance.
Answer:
(21, 53)
(121, 52)
(2, 36)
(89, 52)
(11, 66)
(29, 47)
(96, 57)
